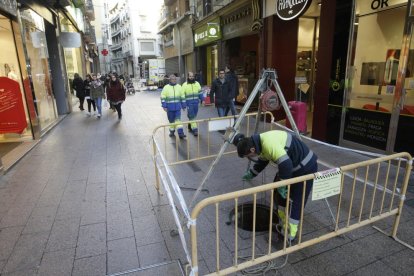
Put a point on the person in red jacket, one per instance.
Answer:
(116, 94)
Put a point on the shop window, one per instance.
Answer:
(9, 68)
(36, 45)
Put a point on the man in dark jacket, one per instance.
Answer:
(220, 93)
(234, 88)
(79, 87)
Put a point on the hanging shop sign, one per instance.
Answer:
(208, 33)
(70, 40)
(9, 6)
(12, 114)
(290, 9)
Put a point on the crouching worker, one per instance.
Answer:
(293, 158)
(193, 95)
(172, 101)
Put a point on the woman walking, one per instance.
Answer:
(116, 94)
(97, 94)
(87, 84)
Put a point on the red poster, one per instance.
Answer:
(12, 115)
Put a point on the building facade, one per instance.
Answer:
(349, 61)
(40, 50)
(178, 44)
(133, 35)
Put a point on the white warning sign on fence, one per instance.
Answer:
(326, 183)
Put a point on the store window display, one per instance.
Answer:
(12, 100)
(38, 58)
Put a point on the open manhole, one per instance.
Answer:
(245, 217)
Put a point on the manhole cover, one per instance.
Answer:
(245, 217)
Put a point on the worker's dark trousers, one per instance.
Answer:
(296, 191)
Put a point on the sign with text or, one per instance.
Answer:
(207, 33)
(369, 6)
(367, 127)
(12, 114)
(290, 9)
(326, 184)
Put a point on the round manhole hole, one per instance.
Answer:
(245, 217)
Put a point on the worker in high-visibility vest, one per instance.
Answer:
(293, 158)
(172, 101)
(193, 96)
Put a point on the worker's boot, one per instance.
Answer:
(172, 133)
(195, 132)
(181, 133)
(292, 227)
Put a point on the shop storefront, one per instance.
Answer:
(30, 67)
(378, 104)
(74, 57)
(206, 37)
(15, 123)
(240, 44)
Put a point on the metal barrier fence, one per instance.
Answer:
(205, 145)
(357, 206)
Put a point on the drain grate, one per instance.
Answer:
(172, 268)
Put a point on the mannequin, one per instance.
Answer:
(12, 75)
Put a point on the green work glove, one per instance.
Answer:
(248, 176)
(282, 191)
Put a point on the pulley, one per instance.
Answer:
(269, 101)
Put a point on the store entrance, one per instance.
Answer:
(403, 116)
(308, 34)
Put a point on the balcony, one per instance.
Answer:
(115, 33)
(89, 34)
(89, 10)
(116, 46)
(114, 19)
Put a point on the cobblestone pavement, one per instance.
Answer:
(83, 202)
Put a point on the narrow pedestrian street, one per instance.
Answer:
(83, 202)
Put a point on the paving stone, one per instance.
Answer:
(174, 246)
(170, 269)
(40, 220)
(374, 269)
(116, 185)
(140, 205)
(51, 195)
(93, 212)
(136, 187)
(402, 262)
(96, 175)
(91, 241)
(91, 266)
(95, 191)
(153, 254)
(23, 272)
(27, 253)
(69, 209)
(122, 255)
(64, 235)
(17, 215)
(147, 230)
(57, 263)
(75, 191)
(8, 239)
(119, 226)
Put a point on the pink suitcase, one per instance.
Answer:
(298, 110)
